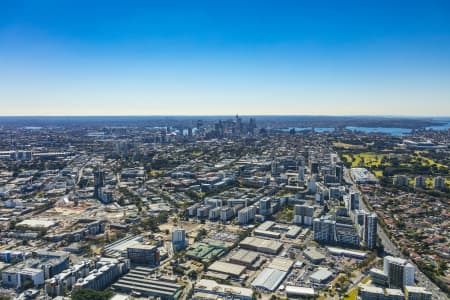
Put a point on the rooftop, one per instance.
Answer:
(269, 279)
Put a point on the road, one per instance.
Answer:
(391, 248)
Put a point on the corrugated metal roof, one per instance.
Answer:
(269, 279)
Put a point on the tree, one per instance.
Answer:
(192, 275)
(292, 255)
(89, 294)
(202, 233)
(28, 284)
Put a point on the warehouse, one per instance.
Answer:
(321, 276)
(37, 223)
(266, 225)
(227, 268)
(140, 283)
(282, 264)
(244, 257)
(266, 233)
(261, 245)
(314, 256)
(293, 232)
(208, 289)
(269, 279)
(297, 291)
(348, 253)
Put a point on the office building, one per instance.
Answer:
(143, 255)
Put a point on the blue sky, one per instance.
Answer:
(224, 57)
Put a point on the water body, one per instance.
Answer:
(316, 129)
(392, 131)
(445, 126)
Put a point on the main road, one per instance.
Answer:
(392, 249)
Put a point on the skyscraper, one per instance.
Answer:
(99, 181)
(370, 230)
(179, 239)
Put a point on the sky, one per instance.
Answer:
(163, 57)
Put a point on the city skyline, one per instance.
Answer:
(248, 58)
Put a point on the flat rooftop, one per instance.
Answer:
(269, 279)
(262, 243)
(282, 264)
(227, 268)
(245, 256)
(216, 288)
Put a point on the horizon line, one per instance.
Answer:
(227, 115)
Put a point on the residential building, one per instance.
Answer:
(401, 180)
(417, 293)
(246, 215)
(370, 230)
(303, 214)
(439, 183)
(179, 241)
(400, 273)
(420, 182)
(226, 213)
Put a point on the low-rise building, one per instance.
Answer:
(207, 289)
(261, 245)
(417, 293)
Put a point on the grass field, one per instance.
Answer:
(352, 294)
(428, 161)
(154, 173)
(366, 280)
(366, 159)
(378, 173)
